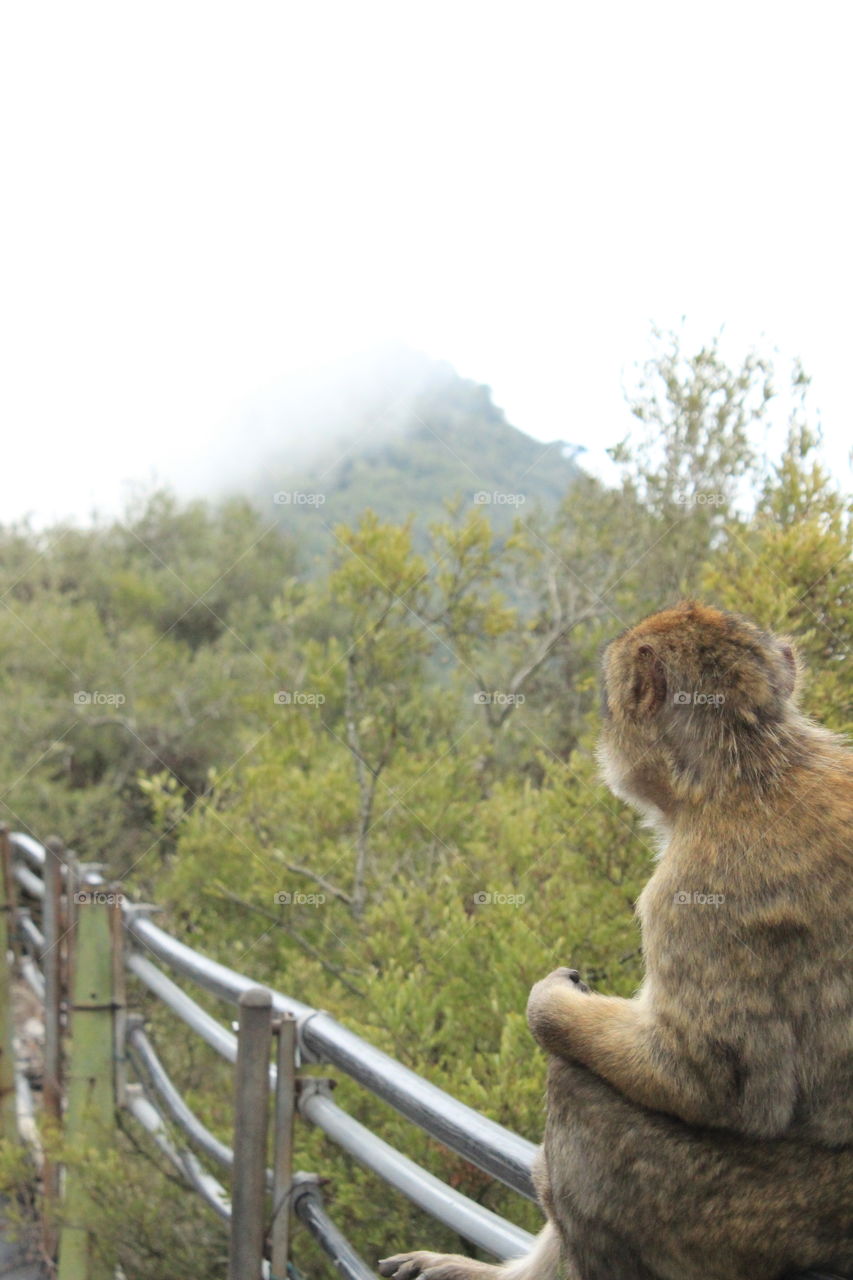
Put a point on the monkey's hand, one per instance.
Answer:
(552, 997)
(616, 1039)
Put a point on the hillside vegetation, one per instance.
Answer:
(400, 434)
(373, 785)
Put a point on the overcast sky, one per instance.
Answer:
(200, 198)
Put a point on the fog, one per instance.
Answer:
(313, 419)
(205, 206)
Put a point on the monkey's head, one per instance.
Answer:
(694, 700)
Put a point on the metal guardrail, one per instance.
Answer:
(158, 1106)
(474, 1223)
(495, 1150)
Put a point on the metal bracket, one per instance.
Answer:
(305, 1183)
(307, 1086)
(304, 1056)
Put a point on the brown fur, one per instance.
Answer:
(705, 1127)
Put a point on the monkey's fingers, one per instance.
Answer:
(574, 976)
(400, 1266)
(437, 1266)
(406, 1266)
(403, 1266)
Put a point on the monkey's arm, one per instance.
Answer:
(615, 1039)
(649, 1062)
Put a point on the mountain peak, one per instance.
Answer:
(394, 430)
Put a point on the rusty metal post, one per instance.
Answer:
(73, 885)
(119, 1000)
(285, 1110)
(251, 1121)
(53, 928)
(8, 1112)
(10, 896)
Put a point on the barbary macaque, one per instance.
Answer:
(703, 1130)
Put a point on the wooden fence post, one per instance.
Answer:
(285, 1110)
(8, 1111)
(251, 1120)
(90, 1114)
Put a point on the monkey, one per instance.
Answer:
(744, 1018)
(703, 1129)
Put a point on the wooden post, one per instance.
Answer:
(285, 1109)
(251, 1118)
(90, 1115)
(8, 1114)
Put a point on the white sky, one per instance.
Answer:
(199, 198)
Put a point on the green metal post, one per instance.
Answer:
(8, 1115)
(90, 1114)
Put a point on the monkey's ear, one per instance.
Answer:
(649, 681)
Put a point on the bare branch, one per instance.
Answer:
(554, 636)
(120, 722)
(298, 870)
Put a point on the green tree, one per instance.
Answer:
(791, 568)
(697, 418)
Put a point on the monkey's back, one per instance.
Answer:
(748, 938)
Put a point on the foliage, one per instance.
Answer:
(792, 570)
(146, 1221)
(122, 647)
(19, 1220)
(374, 786)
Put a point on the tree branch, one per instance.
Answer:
(340, 894)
